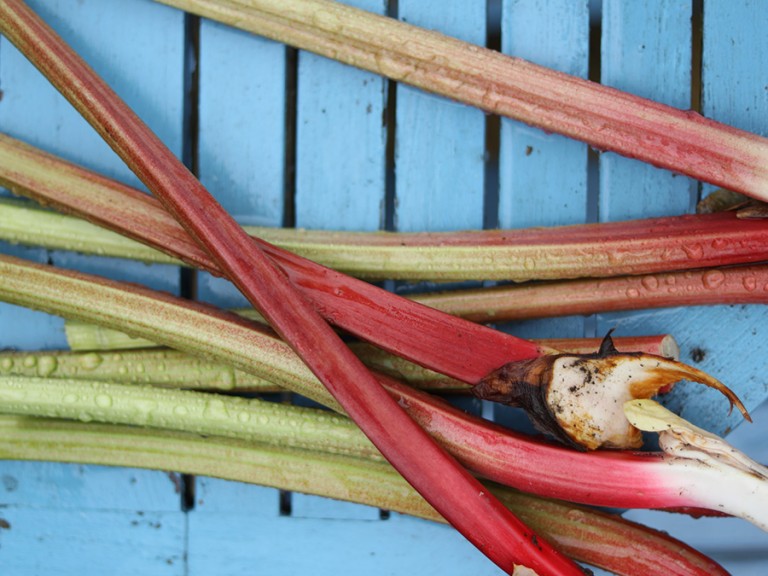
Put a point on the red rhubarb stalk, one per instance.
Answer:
(726, 285)
(606, 118)
(458, 496)
(624, 479)
(605, 249)
(448, 345)
(462, 350)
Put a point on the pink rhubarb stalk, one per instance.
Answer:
(457, 495)
(624, 479)
(726, 285)
(606, 118)
(451, 346)
(606, 249)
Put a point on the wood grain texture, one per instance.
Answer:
(439, 145)
(241, 140)
(340, 142)
(543, 177)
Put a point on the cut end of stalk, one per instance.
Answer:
(579, 399)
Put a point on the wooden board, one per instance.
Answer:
(286, 138)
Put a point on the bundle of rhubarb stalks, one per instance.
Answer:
(180, 386)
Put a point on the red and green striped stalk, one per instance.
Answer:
(450, 346)
(606, 249)
(725, 285)
(616, 479)
(435, 474)
(606, 118)
(603, 540)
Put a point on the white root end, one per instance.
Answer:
(741, 485)
(587, 394)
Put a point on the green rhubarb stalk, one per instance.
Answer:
(184, 410)
(606, 249)
(589, 536)
(605, 118)
(168, 368)
(643, 480)
(431, 470)
(461, 350)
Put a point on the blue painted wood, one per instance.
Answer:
(646, 50)
(288, 546)
(440, 145)
(64, 517)
(543, 177)
(241, 140)
(340, 142)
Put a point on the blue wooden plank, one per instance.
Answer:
(288, 546)
(646, 50)
(340, 142)
(64, 517)
(439, 144)
(45, 541)
(241, 140)
(543, 177)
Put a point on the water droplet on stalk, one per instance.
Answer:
(750, 283)
(6, 364)
(694, 251)
(633, 293)
(103, 400)
(650, 282)
(713, 279)
(529, 263)
(91, 361)
(46, 366)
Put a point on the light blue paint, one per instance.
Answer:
(439, 144)
(121, 543)
(51, 486)
(646, 50)
(340, 142)
(242, 123)
(242, 134)
(307, 506)
(289, 546)
(104, 32)
(69, 519)
(214, 496)
(543, 177)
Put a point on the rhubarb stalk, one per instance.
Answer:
(595, 538)
(606, 118)
(150, 364)
(605, 478)
(435, 474)
(453, 347)
(605, 249)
